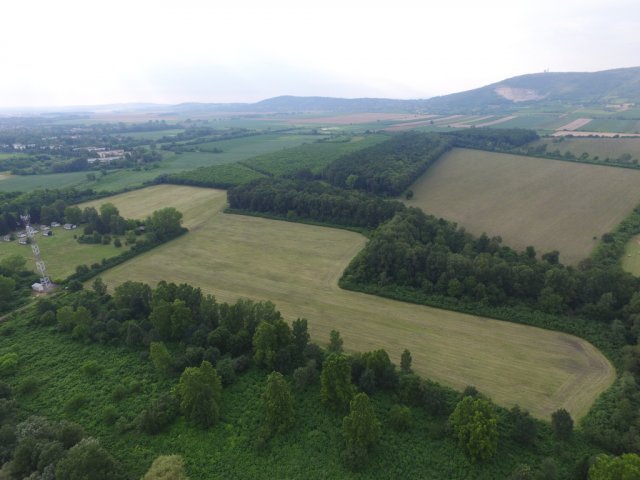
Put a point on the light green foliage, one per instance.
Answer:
(166, 467)
(160, 357)
(624, 467)
(361, 430)
(336, 389)
(8, 363)
(87, 460)
(278, 403)
(200, 392)
(476, 428)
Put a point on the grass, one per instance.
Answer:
(602, 147)
(233, 150)
(631, 259)
(61, 252)
(297, 267)
(549, 204)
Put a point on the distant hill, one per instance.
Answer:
(618, 86)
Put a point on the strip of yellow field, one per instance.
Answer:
(297, 267)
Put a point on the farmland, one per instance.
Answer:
(232, 151)
(601, 147)
(548, 204)
(297, 267)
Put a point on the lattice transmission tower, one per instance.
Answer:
(44, 278)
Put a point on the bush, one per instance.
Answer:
(226, 371)
(8, 363)
(400, 418)
(28, 386)
(166, 467)
(562, 424)
(75, 403)
(161, 413)
(91, 368)
(87, 460)
(110, 415)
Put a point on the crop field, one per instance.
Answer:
(631, 259)
(601, 147)
(313, 156)
(61, 252)
(613, 125)
(297, 267)
(549, 204)
(232, 151)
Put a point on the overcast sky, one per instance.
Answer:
(66, 52)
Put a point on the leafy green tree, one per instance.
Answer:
(361, 430)
(88, 460)
(624, 467)
(405, 361)
(165, 223)
(524, 426)
(336, 389)
(135, 297)
(200, 392)
(562, 424)
(335, 342)
(7, 286)
(160, 357)
(270, 340)
(278, 403)
(300, 334)
(13, 264)
(476, 427)
(170, 319)
(166, 467)
(99, 286)
(73, 215)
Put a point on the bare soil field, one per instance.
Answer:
(363, 118)
(297, 267)
(549, 204)
(575, 125)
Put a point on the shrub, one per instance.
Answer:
(28, 386)
(91, 368)
(8, 363)
(400, 418)
(75, 403)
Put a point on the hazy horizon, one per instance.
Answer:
(72, 53)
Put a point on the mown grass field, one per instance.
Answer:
(549, 204)
(631, 259)
(61, 252)
(297, 267)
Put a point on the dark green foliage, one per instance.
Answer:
(271, 344)
(562, 424)
(476, 427)
(625, 467)
(28, 386)
(524, 427)
(215, 176)
(160, 357)
(400, 418)
(336, 389)
(8, 364)
(387, 168)
(160, 414)
(405, 361)
(226, 371)
(307, 375)
(335, 342)
(494, 139)
(316, 201)
(75, 403)
(87, 460)
(200, 392)
(361, 430)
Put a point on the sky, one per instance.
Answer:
(68, 52)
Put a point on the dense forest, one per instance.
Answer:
(362, 407)
(387, 168)
(317, 201)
